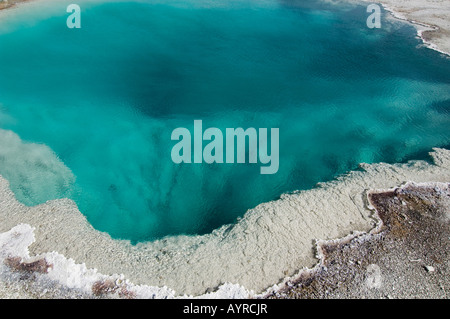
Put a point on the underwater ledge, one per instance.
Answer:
(271, 245)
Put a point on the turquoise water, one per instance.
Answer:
(106, 98)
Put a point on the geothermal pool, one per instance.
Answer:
(88, 113)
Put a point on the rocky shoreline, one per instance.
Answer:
(430, 17)
(5, 4)
(406, 256)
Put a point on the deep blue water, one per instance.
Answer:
(106, 98)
